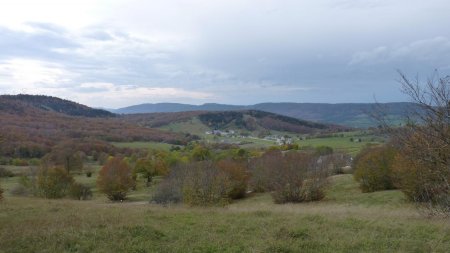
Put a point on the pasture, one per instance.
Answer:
(346, 221)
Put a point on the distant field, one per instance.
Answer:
(143, 144)
(193, 126)
(346, 221)
(343, 144)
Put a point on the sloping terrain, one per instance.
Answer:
(350, 114)
(28, 130)
(175, 107)
(250, 120)
(16, 103)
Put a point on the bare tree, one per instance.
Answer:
(424, 143)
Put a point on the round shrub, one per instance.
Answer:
(237, 175)
(80, 192)
(53, 182)
(195, 184)
(421, 183)
(115, 179)
(373, 168)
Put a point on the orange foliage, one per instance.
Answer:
(115, 179)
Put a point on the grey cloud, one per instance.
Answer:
(39, 44)
(316, 51)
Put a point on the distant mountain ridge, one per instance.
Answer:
(175, 107)
(348, 114)
(53, 104)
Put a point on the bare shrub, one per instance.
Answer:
(237, 174)
(197, 184)
(20, 190)
(299, 177)
(168, 191)
(261, 170)
(423, 163)
(205, 184)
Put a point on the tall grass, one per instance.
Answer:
(346, 221)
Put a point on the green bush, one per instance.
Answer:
(373, 168)
(1, 193)
(323, 150)
(423, 183)
(53, 182)
(19, 162)
(27, 184)
(80, 192)
(5, 172)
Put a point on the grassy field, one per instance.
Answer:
(346, 221)
(143, 144)
(193, 126)
(142, 192)
(341, 144)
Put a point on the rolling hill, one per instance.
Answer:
(31, 125)
(348, 114)
(51, 104)
(244, 120)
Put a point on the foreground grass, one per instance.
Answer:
(346, 221)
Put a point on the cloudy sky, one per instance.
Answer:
(114, 53)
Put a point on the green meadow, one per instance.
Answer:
(346, 221)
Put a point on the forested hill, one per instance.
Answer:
(245, 120)
(348, 114)
(31, 125)
(19, 103)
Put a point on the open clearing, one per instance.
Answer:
(346, 221)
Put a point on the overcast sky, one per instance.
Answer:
(115, 53)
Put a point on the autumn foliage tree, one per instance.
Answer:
(115, 179)
(152, 165)
(238, 176)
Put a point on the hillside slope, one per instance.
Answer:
(52, 104)
(347, 114)
(27, 130)
(176, 107)
(248, 120)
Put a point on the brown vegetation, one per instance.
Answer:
(423, 163)
(115, 179)
(32, 132)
